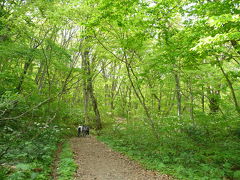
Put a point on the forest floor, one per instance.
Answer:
(96, 161)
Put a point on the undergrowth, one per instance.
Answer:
(67, 166)
(184, 149)
(27, 150)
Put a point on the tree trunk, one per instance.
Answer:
(106, 88)
(22, 77)
(141, 98)
(231, 88)
(179, 97)
(203, 100)
(90, 89)
(85, 90)
(213, 96)
(191, 108)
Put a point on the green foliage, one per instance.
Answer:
(28, 150)
(184, 150)
(67, 165)
(236, 175)
(137, 62)
(236, 132)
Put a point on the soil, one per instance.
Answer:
(96, 161)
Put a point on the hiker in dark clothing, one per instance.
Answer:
(84, 130)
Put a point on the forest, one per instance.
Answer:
(157, 80)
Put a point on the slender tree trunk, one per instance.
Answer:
(85, 101)
(231, 87)
(106, 88)
(158, 101)
(140, 97)
(179, 97)
(129, 107)
(170, 103)
(85, 89)
(26, 67)
(22, 77)
(191, 108)
(95, 106)
(113, 84)
(41, 79)
(38, 75)
(203, 100)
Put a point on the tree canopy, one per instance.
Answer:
(169, 65)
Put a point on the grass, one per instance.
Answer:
(67, 166)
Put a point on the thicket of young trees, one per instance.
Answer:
(164, 63)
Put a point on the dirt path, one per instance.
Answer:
(97, 161)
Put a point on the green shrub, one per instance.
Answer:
(29, 150)
(67, 165)
(183, 150)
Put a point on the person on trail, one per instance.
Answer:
(79, 130)
(84, 130)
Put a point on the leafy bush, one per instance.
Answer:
(67, 166)
(236, 132)
(28, 150)
(183, 150)
(197, 133)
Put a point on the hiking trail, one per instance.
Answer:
(96, 161)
